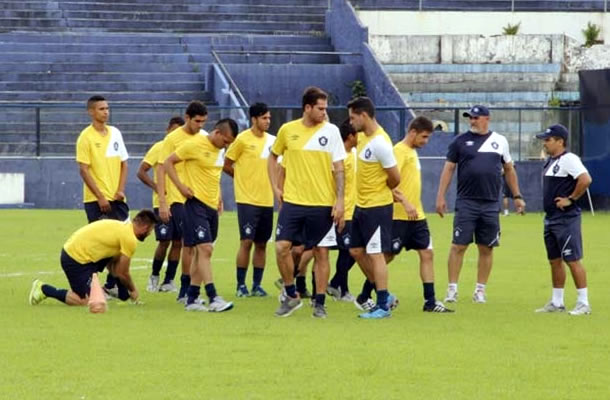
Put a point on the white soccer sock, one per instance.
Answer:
(583, 296)
(453, 286)
(480, 286)
(557, 298)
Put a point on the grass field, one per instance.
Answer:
(500, 350)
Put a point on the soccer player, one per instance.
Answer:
(101, 244)
(203, 158)
(164, 233)
(565, 180)
(338, 286)
(376, 175)
(102, 161)
(312, 196)
(246, 162)
(409, 228)
(479, 155)
(171, 201)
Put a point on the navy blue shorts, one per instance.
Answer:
(344, 238)
(173, 229)
(410, 235)
(119, 210)
(310, 225)
(372, 229)
(563, 238)
(478, 219)
(255, 222)
(79, 275)
(200, 223)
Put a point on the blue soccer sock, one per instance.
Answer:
(110, 281)
(185, 281)
(367, 289)
(170, 271)
(301, 285)
(156, 266)
(210, 291)
(382, 299)
(192, 294)
(429, 293)
(257, 276)
(57, 294)
(291, 291)
(123, 292)
(320, 298)
(241, 275)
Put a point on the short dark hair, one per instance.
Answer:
(177, 120)
(195, 108)
(421, 124)
(361, 105)
(346, 129)
(94, 99)
(311, 96)
(227, 123)
(146, 217)
(258, 109)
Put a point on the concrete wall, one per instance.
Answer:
(55, 183)
(482, 23)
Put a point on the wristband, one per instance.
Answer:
(517, 197)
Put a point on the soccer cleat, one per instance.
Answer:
(479, 296)
(112, 293)
(348, 297)
(258, 291)
(581, 309)
(437, 307)
(376, 313)
(36, 294)
(283, 296)
(366, 305)
(288, 306)
(242, 291)
(550, 307)
(333, 292)
(168, 287)
(183, 299)
(305, 294)
(195, 307)
(219, 304)
(452, 296)
(153, 284)
(319, 311)
(392, 301)
(279, 284)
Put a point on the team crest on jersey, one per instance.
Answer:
(555, 169)
(368, 153)
(115, 145)
(469, 143)
(323, 140)
(200, 232)
(495, 145)
(98, 145)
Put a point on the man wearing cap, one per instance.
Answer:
(565, 179)
(480, 156)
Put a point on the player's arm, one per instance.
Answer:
(144, 177)
(583, 181)
(228, 167)
(510, 175)
(409, 208)
(339, 207)
(443, 185)
(170, 168)
(272, 170)
(164, 213)
(90, 182)
(120, 193)
(393, 177)
(120, 269)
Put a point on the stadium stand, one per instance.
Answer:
(489, 5)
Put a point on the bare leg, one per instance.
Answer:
(456, 259)
(485, 263)
(285, 262)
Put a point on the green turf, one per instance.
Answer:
(500, 350)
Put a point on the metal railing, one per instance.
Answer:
(227, 75)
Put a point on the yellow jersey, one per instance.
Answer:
(101, 239)
(171, 142)
(103, 154)
(202, 168)
(152, 158)
(410, 181)
(308, 157)
(375, 154)
(251, 180)
(349, 165)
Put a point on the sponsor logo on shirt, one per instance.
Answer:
(469, 143)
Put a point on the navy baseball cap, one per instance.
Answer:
(557, 130)
(477, 111)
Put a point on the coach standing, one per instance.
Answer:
(480, 155)
(565, 179)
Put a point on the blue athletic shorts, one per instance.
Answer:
(119, 210)
(478, 219)
(344, 238)
(255, 222)
(173, 229)
(79, 275)
(410, 235)
(563, 238)
(311, 225)
(200, 223)
(372, 229)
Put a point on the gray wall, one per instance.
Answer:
(55, 183)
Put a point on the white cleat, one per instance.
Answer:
(219, 305)
(479, 296)
(153, 284)
(581, 309)
(168, 287)
(550, 307)
(195, 307)
(452, 296)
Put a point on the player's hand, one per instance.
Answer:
(279, 195)
(520, 206)
(221, 207)
(104, 205)
(134, 295)
(186, 191)
(164, 213)
(120, 196)
(410, 210)
(561, 202)
(441, 207)
(338, 215)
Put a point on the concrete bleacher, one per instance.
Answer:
(136, 53)
(488, 5)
